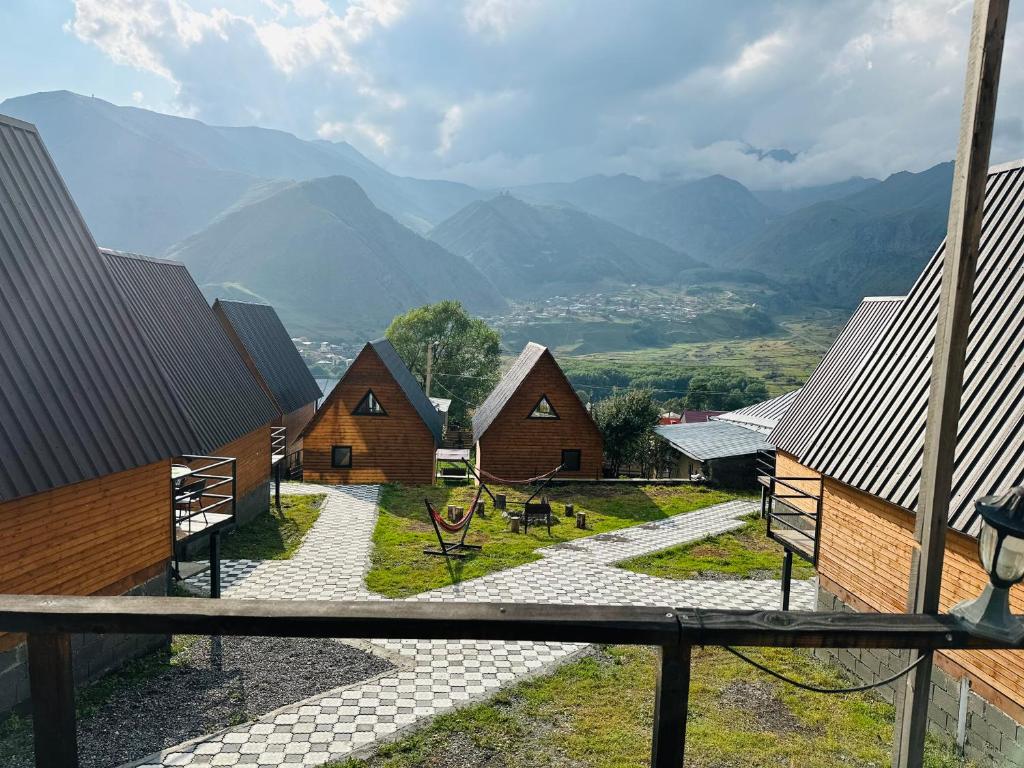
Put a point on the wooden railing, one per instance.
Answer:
(49, 622)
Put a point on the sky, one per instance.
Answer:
(504, 92)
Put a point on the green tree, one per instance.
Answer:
(627, 423)
(467, 353)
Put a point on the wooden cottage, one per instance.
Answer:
(855, 435)
(375, 426)
(534, 421)
(88, 421)
(724, 449)
(267, 350)
(227, 411)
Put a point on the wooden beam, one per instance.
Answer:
(486, 621)
(970, 176)
(671, 703)
(53, 700)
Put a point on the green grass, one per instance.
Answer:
(746, 553)
(598, 712)
(274, 535)
(399, 568)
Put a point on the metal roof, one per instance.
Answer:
(326, 386)
(798, 429)
(220, 398)
(489, 409)
(81, 395)
(761, 417)
(713, 439)
(267, 344)
(406, 382)
(874, 438)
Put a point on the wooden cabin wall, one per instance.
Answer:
(866, 546)
(397, 448)
(517, 447)
(252, 478)
(787, 467)
(295, 422)
(98, 537)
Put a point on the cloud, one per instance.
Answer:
(500, 92)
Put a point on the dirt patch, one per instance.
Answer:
(761, 706)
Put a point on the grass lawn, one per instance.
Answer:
(274, 535)
(746, 553)
(399, 568)
(598, 711)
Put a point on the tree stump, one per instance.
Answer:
(513, 523)
(570, 510)
(581, 520)
(499, 501)
(455, 513)
(480, 507)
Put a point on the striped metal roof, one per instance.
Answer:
(708, 440)
(267, 344)
(798, 429)
(874, 438)
(762, 416)
(81, 395)
(488, 410)
(219, 396)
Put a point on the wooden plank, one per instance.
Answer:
(53, 700)
(486, 621)
(671, 702)
(970, 176)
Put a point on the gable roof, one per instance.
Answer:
(713, 439)
(406, 382)
(874, 438)
(220, 398)
(80, 393)
(509, 384)
(810, 415)
(266, 343)
(761, 417)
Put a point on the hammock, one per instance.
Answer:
(452, 548)
(528, 481)
(541, 480)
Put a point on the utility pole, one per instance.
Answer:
(952, 323)
(430, 366)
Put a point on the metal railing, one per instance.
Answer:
(781, 506)
(49, 622)
(219, 488)
(278, 443)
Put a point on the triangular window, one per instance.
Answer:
(369, 406)
(544, 409)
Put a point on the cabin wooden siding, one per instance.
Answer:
(100, 536)
(252, 462)
(295, 422)
(864, 559)
(786, 467)
(397, 448)
(516, 446)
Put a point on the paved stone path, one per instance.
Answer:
(434, 676)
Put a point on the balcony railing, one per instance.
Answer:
(203, 490)
(792, 508)
(278, 444)
(49, 622)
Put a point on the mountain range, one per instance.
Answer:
(341, 244)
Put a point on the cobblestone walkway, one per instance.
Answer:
(434, 676)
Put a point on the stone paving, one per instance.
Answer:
(434, 676)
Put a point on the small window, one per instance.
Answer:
(341, 456)
(571, 460)
(369, 406)
(544, 409)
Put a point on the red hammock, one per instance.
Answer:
(452, 548)
(449, 526)
(529, 481)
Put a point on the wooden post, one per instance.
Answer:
(787, 578)
(513, 523)
(53, 700)
(970, 175)
(277, 484)
(500, 501)
(671, 700)
(581, 520)
(570, 510)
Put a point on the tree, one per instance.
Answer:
(467, 353)
(627, 424)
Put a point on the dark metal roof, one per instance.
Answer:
(221, 399)
(762, 416)
(713, 439)
(406, 382)
(874, 438)
(267, 344)
(81, 395)
(809, 416)
(489, 409)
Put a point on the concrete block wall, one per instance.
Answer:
(993, 737)
(92, 655)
